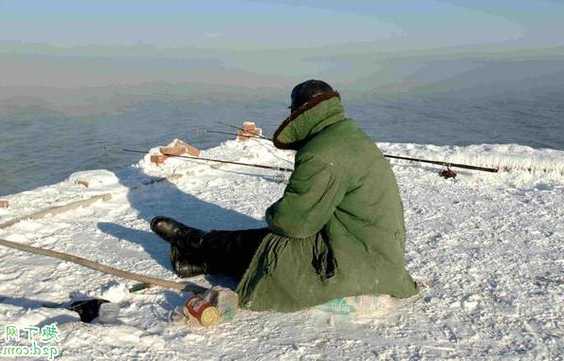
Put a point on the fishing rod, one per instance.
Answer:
(244, 131)
(448, 173)
(215, 160)
(446, 164)
(235, 134)
(437, 162)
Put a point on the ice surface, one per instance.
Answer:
(488, 247)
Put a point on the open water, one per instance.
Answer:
(40, 147)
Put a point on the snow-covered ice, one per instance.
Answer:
(486, 246)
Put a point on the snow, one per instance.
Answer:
(95, 178)
(486, 246)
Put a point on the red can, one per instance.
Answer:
(199, 308)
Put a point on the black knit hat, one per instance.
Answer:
(305, 91)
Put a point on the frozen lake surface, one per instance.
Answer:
(488, 247)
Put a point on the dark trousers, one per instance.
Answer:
(231, 252)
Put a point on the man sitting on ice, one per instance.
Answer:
(337, 231)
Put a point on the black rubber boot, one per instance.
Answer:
(185, 246)
(194, 252)
(177, 233)
(186, 265)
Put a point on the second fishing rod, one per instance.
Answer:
(437, 162)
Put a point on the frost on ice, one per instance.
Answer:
(487, 247)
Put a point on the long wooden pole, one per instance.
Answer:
(181, 286)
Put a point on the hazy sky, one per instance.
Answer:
(282, 24)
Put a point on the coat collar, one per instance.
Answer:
(309, 119)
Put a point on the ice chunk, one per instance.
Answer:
(94, 179)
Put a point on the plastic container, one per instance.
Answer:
(226, 301)
(108, 313)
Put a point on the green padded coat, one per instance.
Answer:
(339, 229)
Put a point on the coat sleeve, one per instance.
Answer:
(313, 193)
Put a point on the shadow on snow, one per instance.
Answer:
(163, 198)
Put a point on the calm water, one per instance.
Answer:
(38, 148)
